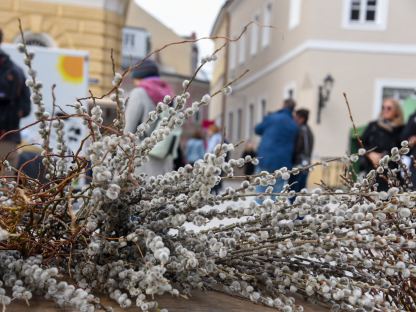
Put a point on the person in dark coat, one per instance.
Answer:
(14, 104)
(409, 134)
(382, 135)
(303, 149)
(30, 163)
(278, 133)
(249, 150)
(178, 161)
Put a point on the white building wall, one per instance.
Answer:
(305, 45)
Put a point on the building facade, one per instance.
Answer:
(99, 27)
(366, 46)
(94, 26)
(177, 62)
(175, 59)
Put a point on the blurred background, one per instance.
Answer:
(314, 51)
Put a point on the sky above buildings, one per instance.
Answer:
(186, 16)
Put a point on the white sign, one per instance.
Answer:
(68, 70)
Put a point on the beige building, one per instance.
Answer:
(219, 73)
(92, 25)
(177, 62)
(367, 46)
(97, 26)
(176, 59)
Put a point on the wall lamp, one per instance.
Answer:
(324, 93)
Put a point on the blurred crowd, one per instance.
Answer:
(286, 140)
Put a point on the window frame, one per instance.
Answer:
(135, 45)
(266, 31)
(242, 49)
(230, 127)
(254, 35)
(379, 24)
(239, 124)
(251, 119)
(295, 12)
(262, 108)
(382, 83)
(232, 57)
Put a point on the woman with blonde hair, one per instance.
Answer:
(382, 135)
(214, 137)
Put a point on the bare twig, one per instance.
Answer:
(352, 121)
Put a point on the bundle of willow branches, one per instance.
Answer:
(125, 235)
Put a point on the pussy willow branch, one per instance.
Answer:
(352, 121)
(130, 68)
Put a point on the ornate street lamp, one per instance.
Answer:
(324, 93)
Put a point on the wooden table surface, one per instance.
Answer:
(210, 301)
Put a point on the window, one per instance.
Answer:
(254, 35)
(263, 107)
(405, 96)
(398, 93)
(355, 10)
(230, 126)
(194, 57)
(267, 19)
(365, 14)
(363, 10)
(239, 124)
(135, 45)
(251, 118)
(294, 13)
(232, 55)
(128, 40)
(242, 49)
(402, 90)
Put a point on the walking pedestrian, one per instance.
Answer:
(179, 160)
(14, 104)
(149, 90)
(303, 149)
(409, 134)
(195, 148)
(278, 132)
(382, 135)
(215, 138)
(249, 150)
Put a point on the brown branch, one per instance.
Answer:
(352, 121)
(130, 68)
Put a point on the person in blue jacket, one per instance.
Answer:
(195, 148)
(278, 133)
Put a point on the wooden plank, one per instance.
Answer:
(210, 301)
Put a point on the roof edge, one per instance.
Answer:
(220, 17)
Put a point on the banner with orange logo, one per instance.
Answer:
(68, 70)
